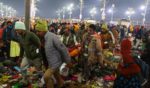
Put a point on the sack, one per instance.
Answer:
(24, 62)
(144, 75)
(64, 71)
(14, 49)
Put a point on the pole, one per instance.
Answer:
(144, 18)
(59, 15)
(129, 17)
(113, 6)
(6, 11)
(63, 15)
(1, 8)
(92, 16)
(111, 19)
(27, 14)
(63, 12)
(103, 12)
(70, 13)
(112, 16)
(81, 9)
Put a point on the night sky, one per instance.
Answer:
(47, 8)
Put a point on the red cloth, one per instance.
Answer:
(127, 59)
(1, 33)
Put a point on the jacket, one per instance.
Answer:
(92, 48)
(30, 43)
(56, 52)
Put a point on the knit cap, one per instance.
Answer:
(41, 25)
(19, 26)
(104, 26)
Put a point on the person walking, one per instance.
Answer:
(56, 54)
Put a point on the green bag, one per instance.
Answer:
(14, 49)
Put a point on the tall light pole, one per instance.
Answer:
(112, 17)
(5, 10)
(34, 8)
(63, 12)
(93, 12)
(9, 12)
(1, 8)
(111, 10)
(145, 12)
(130, 12)
(143, 7)
(70, 8)
(27, 13)
(59, 13)
(14, 12)
(103, 10)
(81, 9)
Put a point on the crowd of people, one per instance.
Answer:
(86, 48)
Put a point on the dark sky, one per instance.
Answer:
(47, 8)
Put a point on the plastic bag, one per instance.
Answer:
(24, 62)
(14, 49)
(64, 71)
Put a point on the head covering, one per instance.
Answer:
(126, 46)
(127, 59)
(131, 27)
(9, 22)
(41, 25)
(104, 26)
(92, 26)
(20, 25)
(76, 27)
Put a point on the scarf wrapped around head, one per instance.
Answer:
(126, 46)
(126, 51)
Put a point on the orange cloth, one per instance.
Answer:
(74, 52)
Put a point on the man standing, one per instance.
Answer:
(91, 50)
(138, 36)
(107, 37)
(56, 54)
(30, 43)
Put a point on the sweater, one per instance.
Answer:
(30, 43)
(56, 52)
